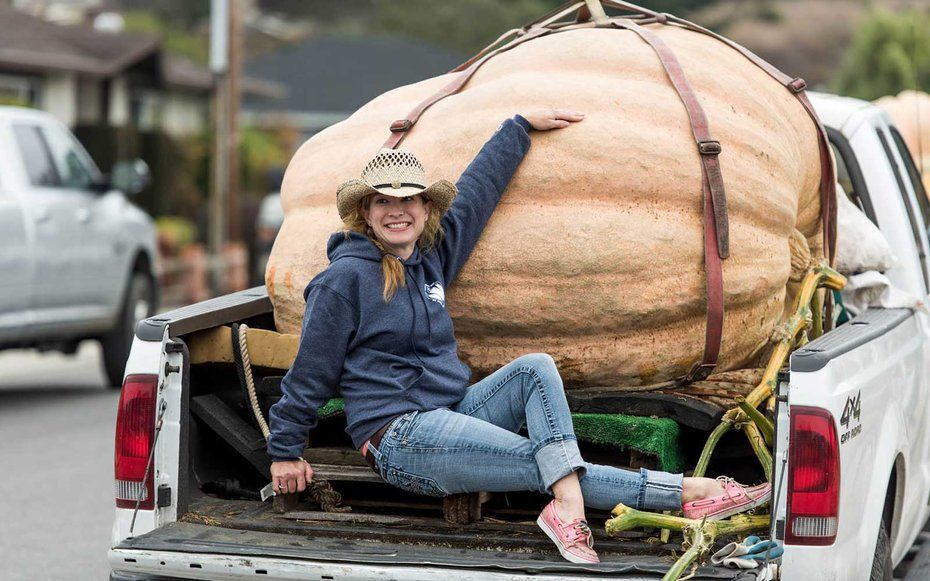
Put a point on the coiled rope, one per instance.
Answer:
(319, 491)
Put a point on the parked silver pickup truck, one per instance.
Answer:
(851, 468)
(77, 258)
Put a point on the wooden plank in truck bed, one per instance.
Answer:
(250, 444)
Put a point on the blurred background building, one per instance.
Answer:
(329, 77)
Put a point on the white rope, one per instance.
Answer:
(320, 491)
(250, 382)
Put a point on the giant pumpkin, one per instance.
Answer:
(910, 111)
(595, 253)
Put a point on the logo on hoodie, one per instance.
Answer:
(435, 293)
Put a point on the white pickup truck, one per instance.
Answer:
(851, 470)
(77, 258)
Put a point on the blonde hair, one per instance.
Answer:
(391, 267)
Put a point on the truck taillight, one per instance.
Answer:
(813, 478)
(135, 434)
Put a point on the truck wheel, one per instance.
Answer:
(138, 304)
(882, 566)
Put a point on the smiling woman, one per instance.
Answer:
(395, 225)
(393, 208)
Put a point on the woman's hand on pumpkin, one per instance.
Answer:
(546, 119)
(291, 476)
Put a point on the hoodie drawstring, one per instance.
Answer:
(413, 322)
(413, 319)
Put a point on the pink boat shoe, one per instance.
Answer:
(735, 499)
(574, 540)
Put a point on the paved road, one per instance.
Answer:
(56, 466)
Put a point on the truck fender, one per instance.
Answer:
(889, 461)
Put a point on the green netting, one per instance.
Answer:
(333, 407)
(654, 436)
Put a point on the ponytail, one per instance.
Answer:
(392, 269)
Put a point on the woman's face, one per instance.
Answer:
(398, 222)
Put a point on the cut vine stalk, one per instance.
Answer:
(701, 534)
(626, 518)
(817, 311)
(761, 422)
(787, 335)
(759, 447)
(701, 468)
(694, 536)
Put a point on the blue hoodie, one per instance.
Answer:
(389, 359)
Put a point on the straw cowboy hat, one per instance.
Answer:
(397, 173)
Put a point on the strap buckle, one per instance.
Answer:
(709, 147)
(401, 125)
(699, 372)
(797, 85)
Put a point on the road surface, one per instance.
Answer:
(56, 465)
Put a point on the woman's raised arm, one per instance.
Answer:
(484, 180)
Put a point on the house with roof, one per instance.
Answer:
(328, 78)
(90, 77)
(123, 96)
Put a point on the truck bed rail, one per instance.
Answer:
(204, 315)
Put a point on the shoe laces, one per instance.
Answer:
(582, 532)
(726, 480)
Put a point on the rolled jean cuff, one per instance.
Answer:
(660, 490)
(557, 460)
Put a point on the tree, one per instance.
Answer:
(889, 53)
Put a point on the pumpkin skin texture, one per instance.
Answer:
(910, 111)
(595, 254)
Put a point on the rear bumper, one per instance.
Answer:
(138, 565)
(196, 551)
(122, 576)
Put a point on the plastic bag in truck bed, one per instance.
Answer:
(860, 245)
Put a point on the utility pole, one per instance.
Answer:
(234, 81)
(225, 64)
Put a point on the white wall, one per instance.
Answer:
(59, 97)
(119, 102)
(184, 114)
(88, 100)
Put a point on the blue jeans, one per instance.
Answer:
(475, 446)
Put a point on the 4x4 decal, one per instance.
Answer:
(851, 413)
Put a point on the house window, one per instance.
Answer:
(17, 91)
(146, 110)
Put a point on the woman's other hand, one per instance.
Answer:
(291, 476)
(546, 119)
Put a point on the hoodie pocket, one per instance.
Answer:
(406, 377)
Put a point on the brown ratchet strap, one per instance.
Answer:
(716, 224)
(827, 168)
(536, 29)
(400, 127)
(797, 86)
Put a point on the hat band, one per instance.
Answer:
(402, 185)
